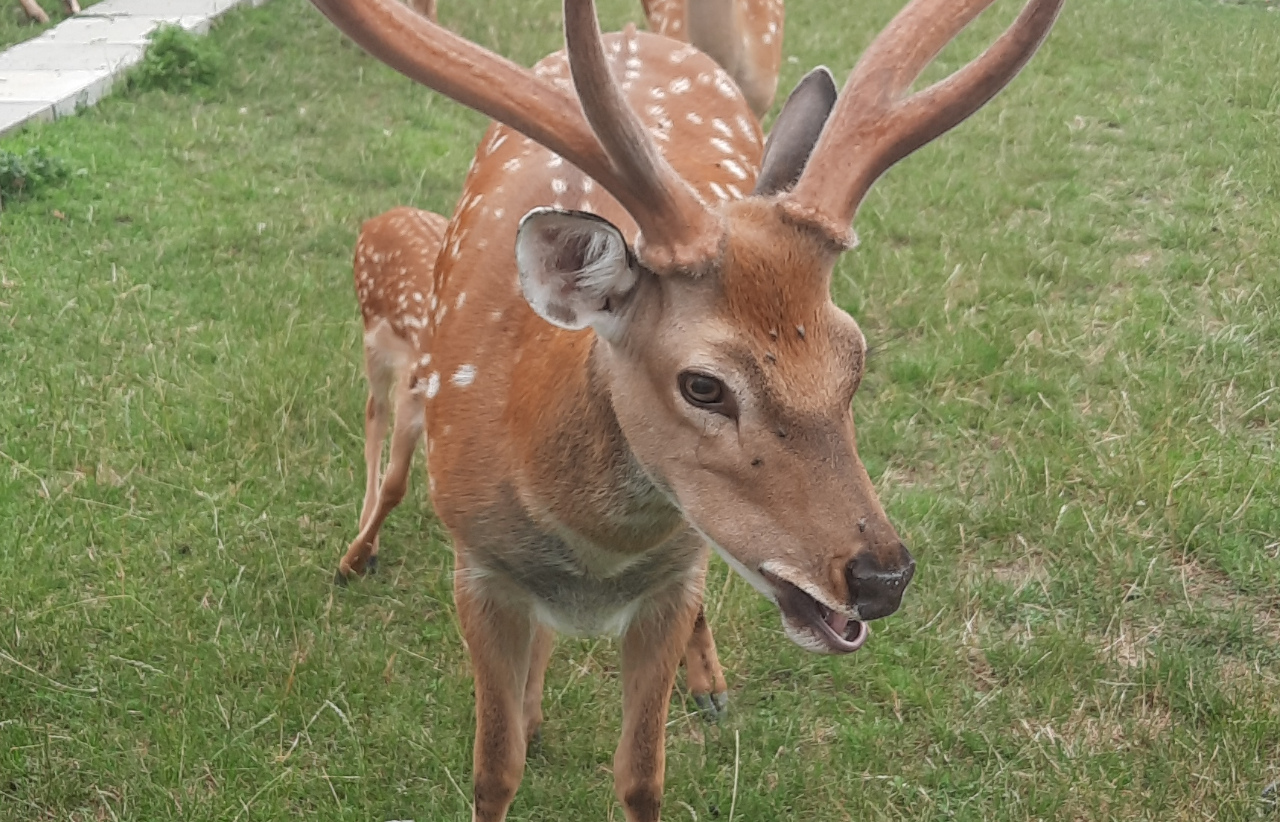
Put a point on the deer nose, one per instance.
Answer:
(876, 586)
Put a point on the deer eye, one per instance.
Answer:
(703, 391)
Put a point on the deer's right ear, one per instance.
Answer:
(575, 269)
(796, 132)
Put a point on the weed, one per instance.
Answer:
(177, 61)
(21, 174)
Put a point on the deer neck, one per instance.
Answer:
(575, 442)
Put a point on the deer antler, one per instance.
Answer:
(608, 144)
(682, 232)
(873, 127)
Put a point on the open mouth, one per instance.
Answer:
(812, 624)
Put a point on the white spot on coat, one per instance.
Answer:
(464, 376)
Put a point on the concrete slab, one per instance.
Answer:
(90, 30)
(170, 10)
(14, 116)
(65, 91)
(38, 55)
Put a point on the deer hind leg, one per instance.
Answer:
(500, 639)
(651, 650)
(543, 642)
(427, 8)
(703, 672)
(384, 494)
(73, 7)
(33, 10)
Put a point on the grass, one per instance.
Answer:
(15, 26)
(1072, 413)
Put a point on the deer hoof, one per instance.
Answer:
(714, 707)
(340, 579)
(371, 565)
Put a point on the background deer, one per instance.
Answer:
(427, 8)
(743, 36)
(660, 368)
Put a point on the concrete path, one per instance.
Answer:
(75, 63)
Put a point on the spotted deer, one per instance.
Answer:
(743, 36)
(659, 368)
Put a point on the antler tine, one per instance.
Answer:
(872, 127)
(676, 228)
(476, 77)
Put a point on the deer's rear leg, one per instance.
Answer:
(386, 495)
(33, 10)
(427, 8)
(500, 640)
(543, 642)
(703, 672)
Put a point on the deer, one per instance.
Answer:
(749, 34)
(39, 15)
(743, 36)
(658, 370)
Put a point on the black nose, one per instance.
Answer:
(876, 586)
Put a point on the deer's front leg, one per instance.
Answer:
(651, 651)
(499, 637)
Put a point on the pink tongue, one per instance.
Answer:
(838, 623)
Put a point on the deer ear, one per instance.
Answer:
(575, 269)
(796, 131)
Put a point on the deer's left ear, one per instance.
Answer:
(575, 269)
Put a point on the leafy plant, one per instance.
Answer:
(177, 60)
(23, 173)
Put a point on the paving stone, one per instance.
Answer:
(169, 10)
(14, 116)
(35, 55)
(93, 30)
(66, 91)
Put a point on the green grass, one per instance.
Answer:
(1072, 413)
(16, 26)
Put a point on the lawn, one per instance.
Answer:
(1072, 414)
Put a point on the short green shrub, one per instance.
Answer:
(24, 173)
(177, 60)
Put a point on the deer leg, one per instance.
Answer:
(376, 418)
(427, 8)
(703, 672)
(33, 10)
(543, 642)
(404, 439)
(499, 639)
(72, 6)
(651, 650)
